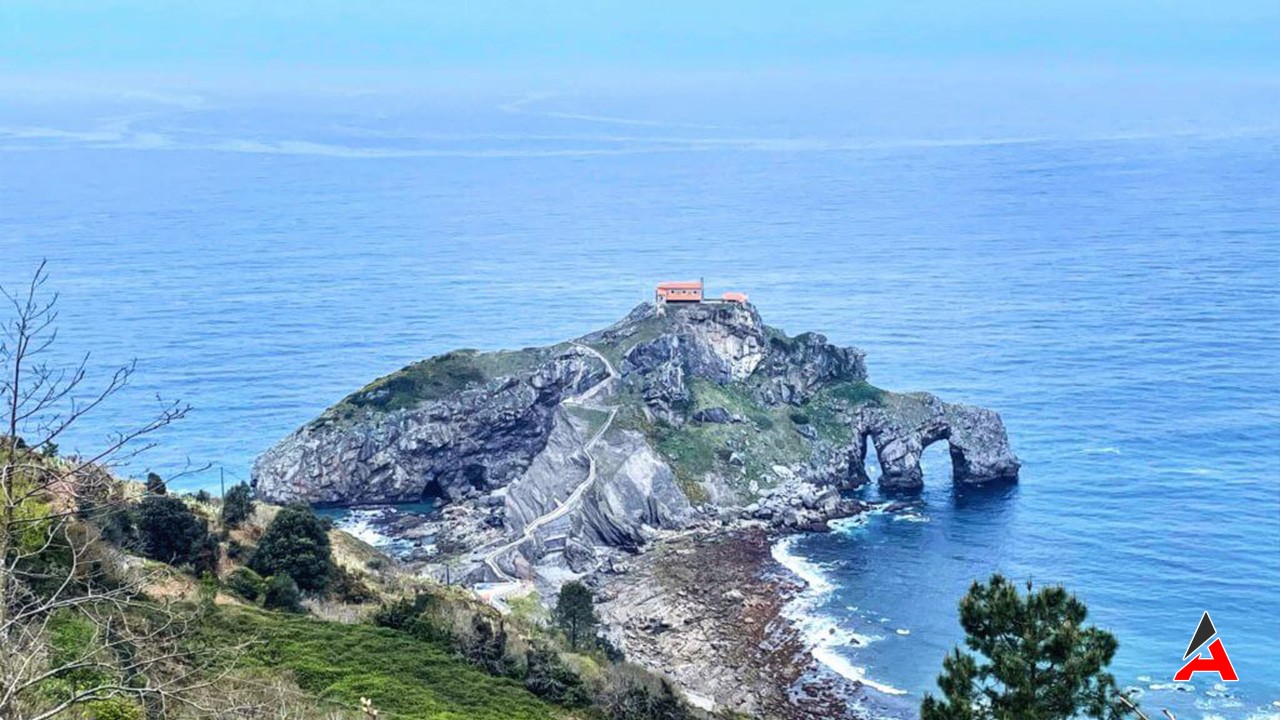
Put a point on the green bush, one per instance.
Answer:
(246, 583)
(237, 550)
(282, 593)
(641, 697)
(237, 506)
(116, 708)
(550, 679)
(345, 586)
(296, 545)
(799, 418)
(420, 617)
(169, 532)
(72, 637)
(486, 648)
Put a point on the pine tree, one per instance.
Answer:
(237, 506)
(575, 613)
(1033, 659)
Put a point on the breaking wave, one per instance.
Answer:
(822, 633)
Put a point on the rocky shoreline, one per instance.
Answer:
(707, 608)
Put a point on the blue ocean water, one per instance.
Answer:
(1112, 289)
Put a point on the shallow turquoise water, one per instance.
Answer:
(1115, 296)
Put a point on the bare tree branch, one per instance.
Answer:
(136, 647)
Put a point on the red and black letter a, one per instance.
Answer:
(1217, 662)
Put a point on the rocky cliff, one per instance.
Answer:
(671, 416)
(695, 428)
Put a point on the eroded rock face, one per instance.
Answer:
(636, 493)
(794, 368)
(551, 476)
(901, 429)
(658, 368)
(472, 441)
(511, 447)
(721, 343)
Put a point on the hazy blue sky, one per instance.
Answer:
(486, 35)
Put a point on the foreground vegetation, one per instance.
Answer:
(1031, 657)
(403, 676)
(122, 600)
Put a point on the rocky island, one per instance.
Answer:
(653, 459)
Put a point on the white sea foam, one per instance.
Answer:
(823, 633)
(808, 571)
(360, 523)
(848, 525)
(842, 666)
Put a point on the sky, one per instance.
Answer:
(238, 38)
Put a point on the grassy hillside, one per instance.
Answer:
(436, 378)
(403, 676)
(202, 623)
(746, 450)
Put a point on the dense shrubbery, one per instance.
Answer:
(423, 617)
(245, 583)
(116, 708)
(170, 532)
(282, 593)
(630, 693)
(487, 646)
(237, 506)
(296, 544)
(549, 678)
(345, 586)
(405, 677)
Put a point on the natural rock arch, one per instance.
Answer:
(976, 440)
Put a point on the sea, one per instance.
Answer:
(1101, 266)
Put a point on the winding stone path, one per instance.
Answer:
(508, 586)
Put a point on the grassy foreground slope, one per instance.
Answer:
(403, 676)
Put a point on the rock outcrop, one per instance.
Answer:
(672, 416)
(567, 461)
(900, 431)
(471, 441)
(636, 492)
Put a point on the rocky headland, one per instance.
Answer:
(652, 459)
